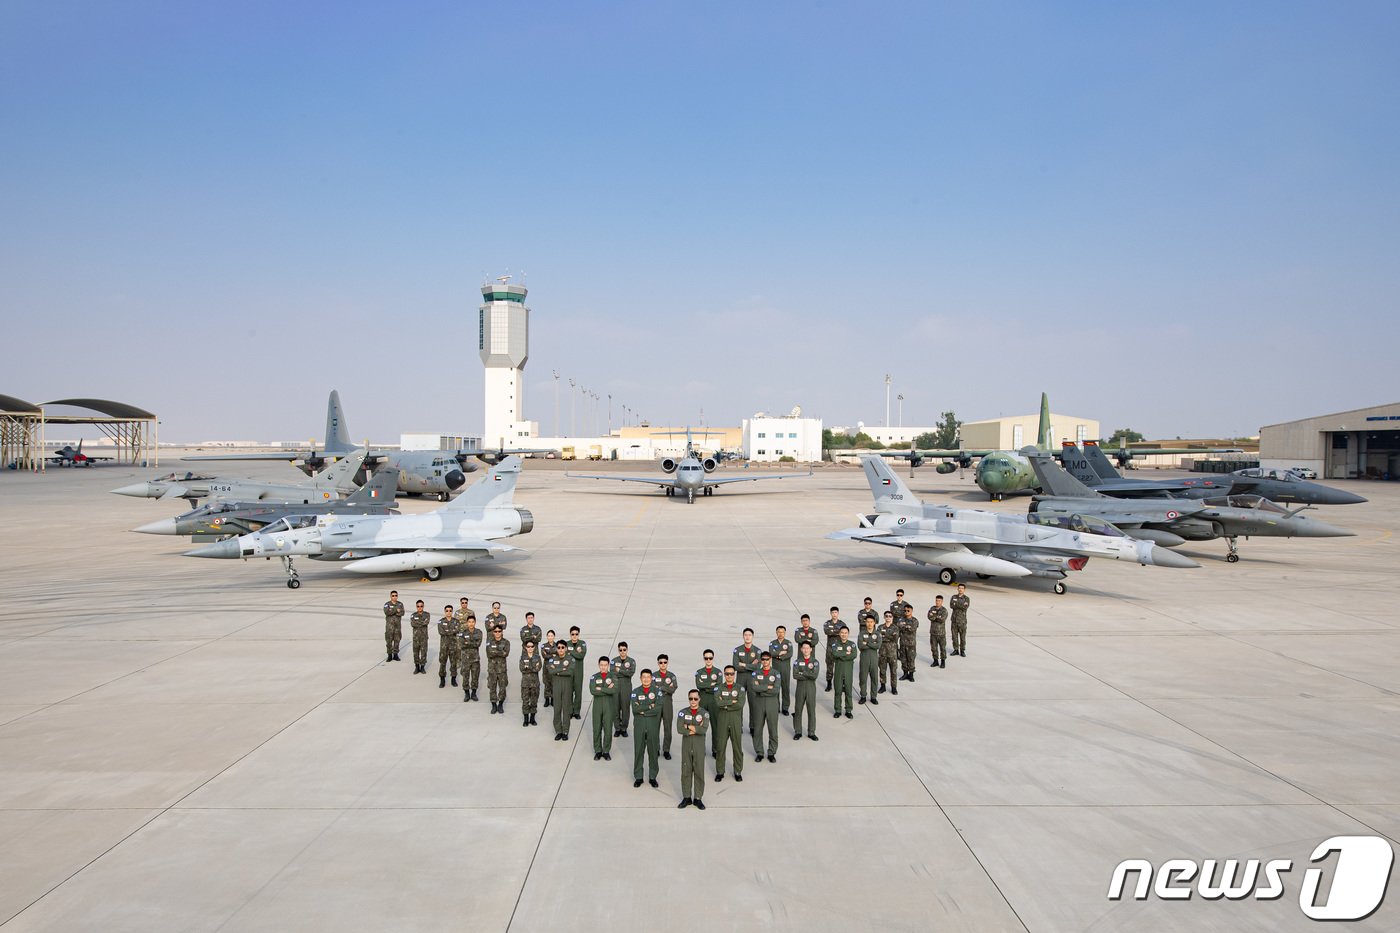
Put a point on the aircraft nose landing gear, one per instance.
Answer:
(1059, 587)
(1234, 555)
(293, 582)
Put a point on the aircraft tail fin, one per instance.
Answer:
(337, 434)
(1043, 438)
(1077, 465)
(341, 474)
(1099, 462)
(1054, 479)
(379, 490)
(494, 490)
(891, 495)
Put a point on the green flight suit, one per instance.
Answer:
(469, 644)
(959, 605)
(764, 689)
(667, 684)
(868, 644)
(561, 674)
(693, 751)
(707, 681)
(782, 663)
(843, 655)
(938, 633)
(578, 653)
(829, 628)
(393, 627)
(497, 652)
(530, 666)
(449, 634)
(729, 723)
(623, 669)
(419, 622)
(897, 607)
(805, 636)
(646, 731)
(603, 689)
(804, 675)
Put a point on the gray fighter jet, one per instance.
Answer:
(222, 518)
(74, 457)
(331, 484)
(989, 543)
(468, 528)
(1172, 522)
(688, 475)
(421, 472)
(1091, 467)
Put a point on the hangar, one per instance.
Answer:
(1363, 443)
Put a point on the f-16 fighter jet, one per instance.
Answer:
(988, 543)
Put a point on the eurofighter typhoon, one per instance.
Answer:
(466, 529)
(987, 543)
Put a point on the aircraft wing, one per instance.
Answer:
(653, 480)
(745, 479)
(951, 541)
(371, 456)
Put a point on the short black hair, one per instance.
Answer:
(419, 603)
(765, 655)
(729, 668)
(529, 615)
(447, 608)
(604, 657)
(646, 672)
(663, 657)
(844, 628)
(781, 628)
(805, 616)
(748, 631)
(573, 629)
(622, 644)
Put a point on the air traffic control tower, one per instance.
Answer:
(505, 346)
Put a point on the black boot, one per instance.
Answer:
(894, 690)
(396, 655)
(911, 677)
(525, 721)
(442, 681)
(475, 698)
(454, 680)
(464, 696)
(943, 663)
(532, 720)
(389, 657)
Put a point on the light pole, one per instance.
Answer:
(887, 400)
(573, 408)
(556, 403)
(900, 397)
(609, 414)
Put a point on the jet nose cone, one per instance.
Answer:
(164, 526)
(1161, 557)
(1342, 497)
(454, 479)
(1312, 528)
(137, 490)
(226, 548)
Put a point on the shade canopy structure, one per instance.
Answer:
(21, 434)
(132, 430)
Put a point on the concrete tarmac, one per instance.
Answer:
(189, 745)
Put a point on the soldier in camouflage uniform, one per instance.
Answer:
(463, 611)
(889, 652)
(578, 651)
(729, 721)
(393, 627)
(419, 622)
(938, 632)
(804, 674)
(495, 617)
(646, 715)
(623, 668)
(867, 611)
(665, 681)
(707, 681)
(530, 666)
(908, 642)
(470, 646)
(781, 650)
(868, 643)
(693, 722)
(547, 652)
(561, 673)
(844, 655)
(764, 688)
(829, 628)
(530, 632)
(960, 604)
(497, 651)
(602, 686)
(898, 604)
(745, 663)
(449, 634)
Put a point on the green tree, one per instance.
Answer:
(926, 441)
(863, 440)
(946, 437)
(834, 441)
(1125, 436)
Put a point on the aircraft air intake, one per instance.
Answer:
(709, 464)
(668, 464)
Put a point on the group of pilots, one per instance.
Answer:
(766, 682)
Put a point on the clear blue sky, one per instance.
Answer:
(1177, 217)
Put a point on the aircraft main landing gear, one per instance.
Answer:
(1060, 587)
(444, 497)
(947, 576)
(432, 574)
(293, 582)
(1234, 555)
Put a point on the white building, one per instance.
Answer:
(767, 438)
(1361, 443)
(504, 341)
